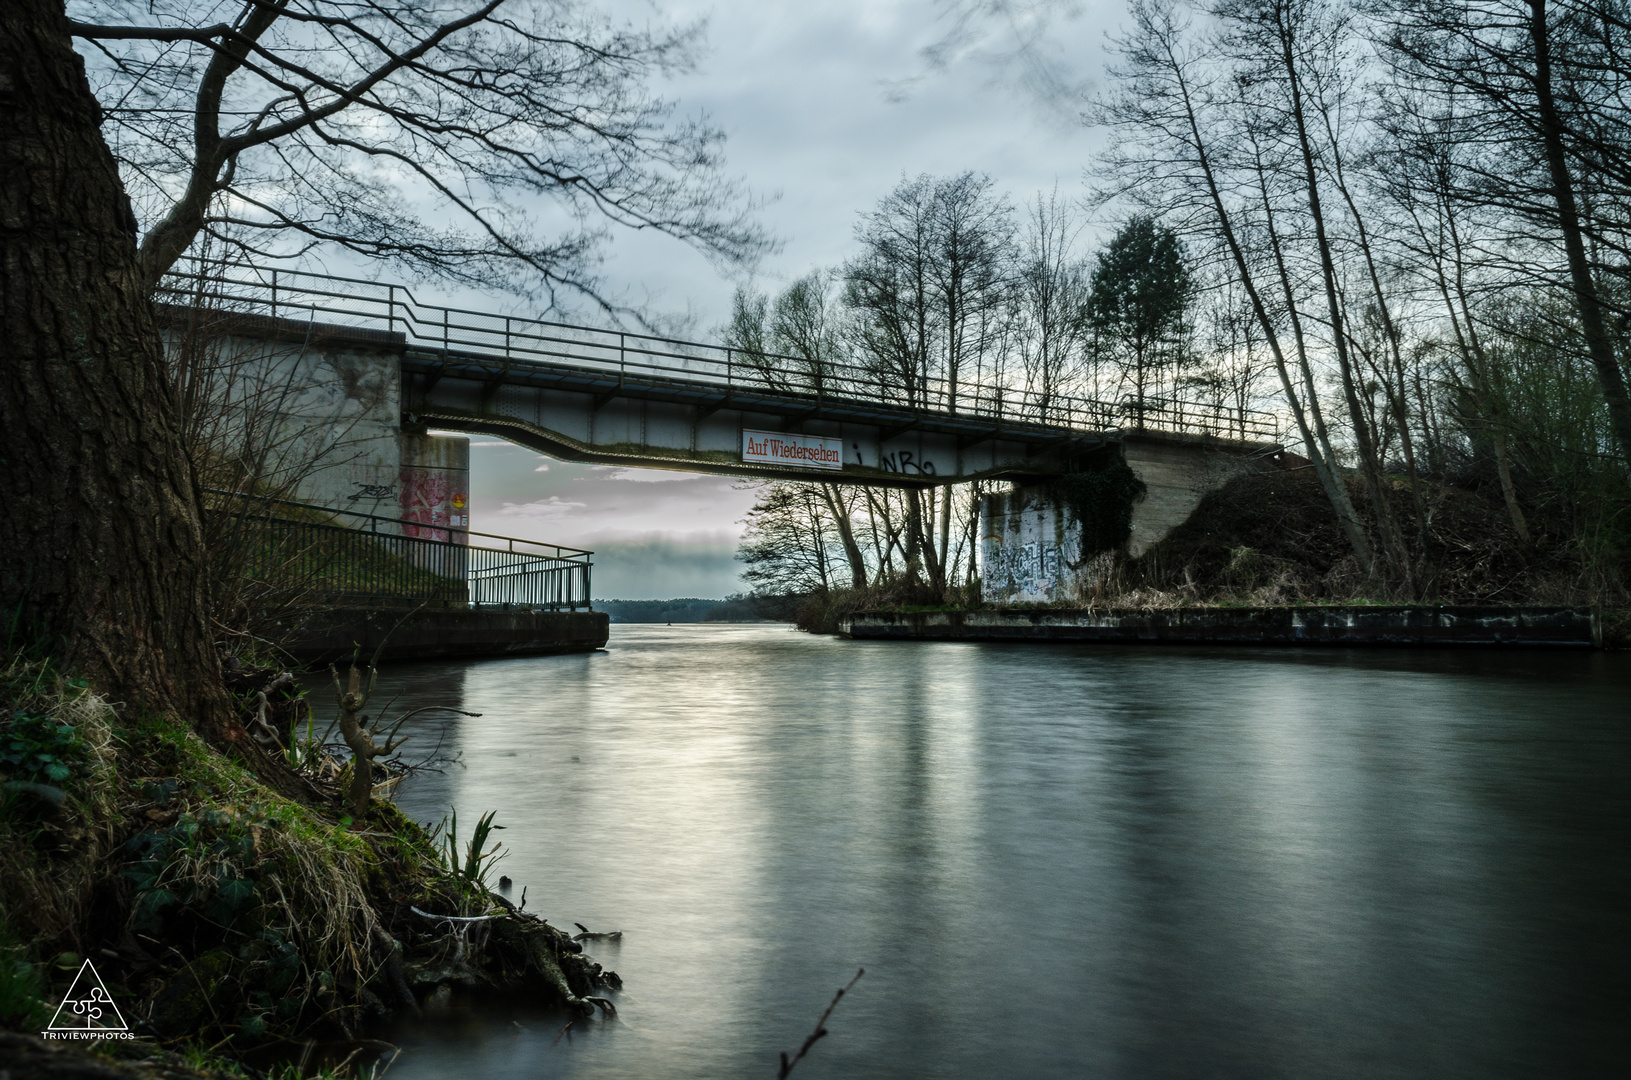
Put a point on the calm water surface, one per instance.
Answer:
(1052, 861)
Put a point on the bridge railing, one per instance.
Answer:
(320, 551)
(517, 342)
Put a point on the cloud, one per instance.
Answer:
(498, 443)
(550, 509)
(655, 566)
(542, 468)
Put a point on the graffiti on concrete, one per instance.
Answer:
(372, 491)
(904, 461)
(1028, 546)
(1028, 571)
(427, 501)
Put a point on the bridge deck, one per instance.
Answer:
(591, 394)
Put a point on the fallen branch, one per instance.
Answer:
(589, 935)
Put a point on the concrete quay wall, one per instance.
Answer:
(448, 633)
(1408, 626)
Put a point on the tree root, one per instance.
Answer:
(546, 955)
(393, 970)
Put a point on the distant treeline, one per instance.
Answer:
(686, 610)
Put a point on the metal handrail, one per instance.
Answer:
(520, 342)
(376, 520)
(372, 562)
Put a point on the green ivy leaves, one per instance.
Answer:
(38, 748)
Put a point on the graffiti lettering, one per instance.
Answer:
(903, 461)
(372, 491)
(1020, 571)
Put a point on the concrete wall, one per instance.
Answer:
(441, 633)
(1030, 550)
(1449, 625)
(321, 413)
(1027, 546)
(1177, 472)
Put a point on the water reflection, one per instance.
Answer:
(1052, 861)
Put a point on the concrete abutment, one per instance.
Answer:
(1031, 546)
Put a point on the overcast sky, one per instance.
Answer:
(826, 106)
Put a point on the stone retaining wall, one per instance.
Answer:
(1418, 626)
(449, 633)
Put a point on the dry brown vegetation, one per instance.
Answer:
(1270, 537)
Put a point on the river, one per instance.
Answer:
(1052, 861)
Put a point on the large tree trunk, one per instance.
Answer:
(101, 558)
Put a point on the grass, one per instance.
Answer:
(221, 914)
(261, 904)
(478, 858)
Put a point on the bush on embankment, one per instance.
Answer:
(217, 911)
(1270, 537)
(823, 612)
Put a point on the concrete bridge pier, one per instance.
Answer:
(1030, 545)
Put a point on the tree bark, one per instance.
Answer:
(101, 556)
(839, 508)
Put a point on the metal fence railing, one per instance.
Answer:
(340, 553)
(519, 342)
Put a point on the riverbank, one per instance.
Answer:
(235, 902)
(1323, 625)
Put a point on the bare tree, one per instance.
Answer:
(440, 134)
(807, 323)
(1052, 287)
(896, 325)
(929, 301)
(1293, 48)
(1179, 133)
(1538, 92)
(786, 546)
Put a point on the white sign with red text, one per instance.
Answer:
(803, 451)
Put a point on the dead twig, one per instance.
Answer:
(820, 1029)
